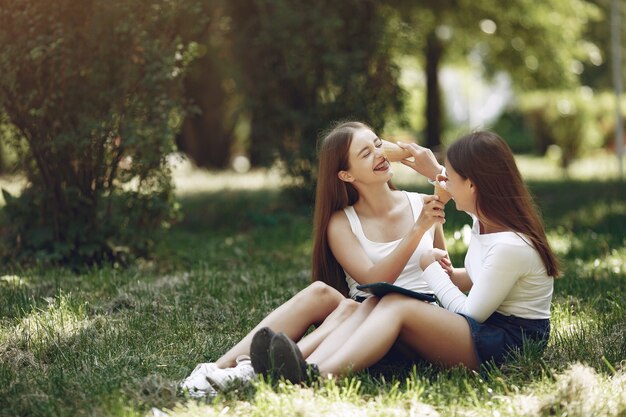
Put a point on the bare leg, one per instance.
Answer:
(343, 312)
(331, 342)
(435, 333)
(311, 305)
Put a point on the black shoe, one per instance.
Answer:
(287, 360)
(260, 351)
(312, 372)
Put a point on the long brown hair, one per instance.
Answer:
(331, 195)
(502, 198)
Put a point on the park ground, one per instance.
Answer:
(115, 341)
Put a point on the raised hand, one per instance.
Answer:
(446, 264)
(432, 213)
(431, 256)
(424, 161)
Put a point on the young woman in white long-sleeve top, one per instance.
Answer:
(500, 299)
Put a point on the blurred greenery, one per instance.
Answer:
(95, 97)
(524, 39)
(92, 96)
(304, 64)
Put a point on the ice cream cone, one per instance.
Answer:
(393, 152)
(440, 189)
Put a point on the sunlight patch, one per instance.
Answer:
(580, 391)
(291, 400)
(13, 281)
(560, 242)
(569, 320)
(43, 327)
(606, 267)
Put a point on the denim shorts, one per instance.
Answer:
(499, 335)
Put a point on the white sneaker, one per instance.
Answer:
(196, 384)
(242, 373)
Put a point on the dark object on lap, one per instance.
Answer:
(381, 289)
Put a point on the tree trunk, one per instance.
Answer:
(2, 162)
(434, 52)
(204, 136)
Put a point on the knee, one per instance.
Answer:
(393, 302)
(370, 302)
(348, 306)
(322, 293)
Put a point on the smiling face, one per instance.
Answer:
(366, 159)
(462, 190)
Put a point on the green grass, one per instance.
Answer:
(116, 342)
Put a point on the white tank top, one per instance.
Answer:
(411, 276)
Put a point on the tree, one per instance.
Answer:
(304, 64)
(208, 133)
(597, 68)
(93, 89)
(539, 44)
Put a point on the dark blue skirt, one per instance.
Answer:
(499, 335)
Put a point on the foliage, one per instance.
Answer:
(524, 39)
(512, 127)
(92, 88)
(575, 121)
(305, 64)
(528, 41)
(604, 111)
(111, 342)
(598, 72)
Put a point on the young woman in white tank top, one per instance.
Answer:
(387, 231)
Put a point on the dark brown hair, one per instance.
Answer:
(331, 195)
(502, 198)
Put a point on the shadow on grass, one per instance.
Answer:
(233, 258)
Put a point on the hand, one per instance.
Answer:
(446, 264)
(432, 212)
(431, 256)
(424, 161)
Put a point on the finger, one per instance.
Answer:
(438, 205)
(445, 267)
(411, 147)
(445, 260)
(430, 198)
(435, 205)
(434, 212)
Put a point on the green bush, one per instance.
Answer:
(604, 116)
(512, 126)
(93, 90)
(567, 119)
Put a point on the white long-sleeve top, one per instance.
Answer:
(507, 276)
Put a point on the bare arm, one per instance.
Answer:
(458, 276)
(439, 241)
(461, 279)
(351, 256)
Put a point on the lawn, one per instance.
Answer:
(116, 342)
